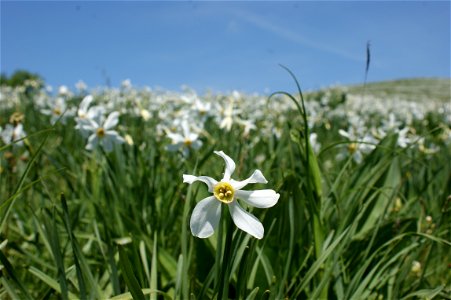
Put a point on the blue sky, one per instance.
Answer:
(225, 45)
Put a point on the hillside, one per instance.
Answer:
(412, 89)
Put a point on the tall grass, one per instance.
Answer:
(96, 225)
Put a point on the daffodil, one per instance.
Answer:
(206, 214)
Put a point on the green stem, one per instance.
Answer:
(226, 263)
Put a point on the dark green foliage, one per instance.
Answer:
(21, 78)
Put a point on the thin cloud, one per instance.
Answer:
(292, 36)
(232, 26)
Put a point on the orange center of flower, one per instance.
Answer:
(224, 192)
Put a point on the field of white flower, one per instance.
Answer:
(120, 193)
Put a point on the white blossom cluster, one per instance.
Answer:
(180, 119)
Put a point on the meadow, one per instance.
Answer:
(98, 187)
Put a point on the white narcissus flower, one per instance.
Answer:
(185, 141)
(63, 90)
(56, 109)
(358, 146)
(228, 116)
(81, 85)
(313, 138)
(86, 113)
(103, 133)
(207, 213)
(12, 133)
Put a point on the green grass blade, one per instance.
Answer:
(143, 255)
(129, 276)
(12, 274)
(316, 266)
(9, 290)
(5, 211)
(85, 277)
(75, 249)
(253, 294)
(53, 239)
(129, 296)
(154, 270)
(49, 281)
(425, 293)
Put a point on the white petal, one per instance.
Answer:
(92, 124)
(107, 143)
(174, 147)
(358, 157)
(85, 103)
(185, 152)
(112, 120)
(245, 221)
(256, 177)
(95, 113)
(18, 131)
(87, 126)
(259, 198)
(92, 142)
(205, 179)
(110, 139)
(196, 144)
(344, 133)
(175, 137)
(230, 165)
(185, 129)
(193, 136)
(46, 111)
(205, 217)
(114, 136)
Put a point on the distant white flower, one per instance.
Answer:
(63, 90)
(103, 134)
(316, 146)
(56, 107)
(12, 133)
(416, 267)
(184, 141)
(202, 109)
(126, 84)
(86, 113)
(207, 213)
(425, 148)
(403, 139)
(391, 124)
(248, 125)
(129, 140)
(358, 146)
(145, 114)
(81, 86)
(228, 116)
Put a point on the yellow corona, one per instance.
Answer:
(224, 192)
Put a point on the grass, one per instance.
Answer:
(412, 89)
(97, 225)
